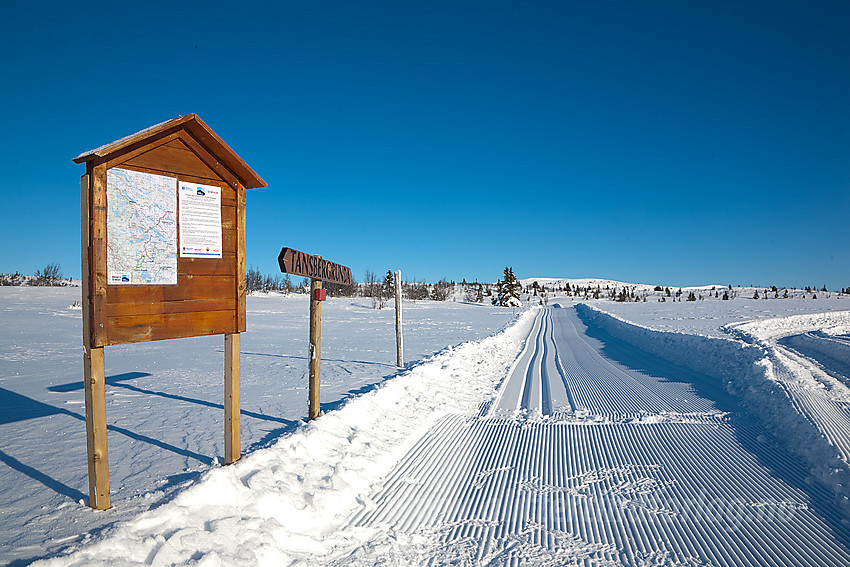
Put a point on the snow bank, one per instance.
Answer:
(834, 323)
(286, 503)
(753, 371)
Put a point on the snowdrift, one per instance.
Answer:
(770, 330)
(770, 385)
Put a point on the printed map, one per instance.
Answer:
(141, 228)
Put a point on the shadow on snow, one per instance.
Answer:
(748, 429)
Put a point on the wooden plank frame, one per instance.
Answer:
(209, 297)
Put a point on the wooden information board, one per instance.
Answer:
(163, 257)
(208, 296)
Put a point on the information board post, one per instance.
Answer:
(94, 376)
(314, 410)
(232, 398)
(98, 461)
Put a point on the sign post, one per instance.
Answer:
(399, 340)
(313, 410)
(318, 270)
(163, 257)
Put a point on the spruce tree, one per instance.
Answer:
(508, 290)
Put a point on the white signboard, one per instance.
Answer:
(141, 234)
(200, 220)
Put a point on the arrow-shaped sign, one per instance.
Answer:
(301, 264)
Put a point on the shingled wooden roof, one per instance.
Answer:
(194, 126)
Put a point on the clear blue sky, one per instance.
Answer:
(660, 142)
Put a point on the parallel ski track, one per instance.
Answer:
(579, 379)
(832, 353)
(831, 415)
(538, 481)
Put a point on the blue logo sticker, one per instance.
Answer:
(201, 192)
(125, 278)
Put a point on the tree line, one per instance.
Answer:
(51, 275)
(380, 290)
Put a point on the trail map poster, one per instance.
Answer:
(200, 220)
(141, 228)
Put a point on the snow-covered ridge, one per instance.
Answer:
(286, 503)
(583, 282)
(602, 282)
(798, 403)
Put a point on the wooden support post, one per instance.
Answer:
(96, 428)
(315, 357)
(93, 373)
(399, 342)
(232, 398)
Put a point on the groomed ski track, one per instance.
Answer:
(595, 453)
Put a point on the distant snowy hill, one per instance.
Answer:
(643, 290)
(593, 282)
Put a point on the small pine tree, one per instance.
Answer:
(508, 290)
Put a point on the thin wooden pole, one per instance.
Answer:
(232, 398)
(315, 349)
(399, 341)
(96, 428)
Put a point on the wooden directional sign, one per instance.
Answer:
(314, 267)
(318, 270)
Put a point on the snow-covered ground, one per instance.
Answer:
(303, 491)
(786, 359)
(164, 400)
(710, 317)
(596, 453)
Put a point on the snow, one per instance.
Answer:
(800, 401)
(662, 477)
(164, 400)
(504, 421)
(710, 316)
(124, 139)
(286, 502)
